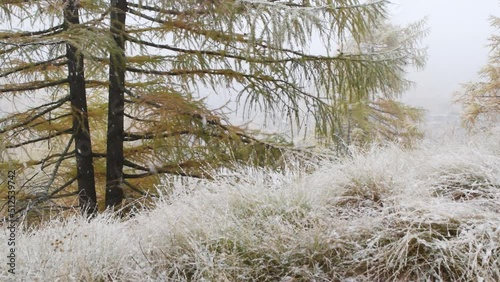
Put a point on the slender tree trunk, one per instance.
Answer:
(81, 129)
(114, 164)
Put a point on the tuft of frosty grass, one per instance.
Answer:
(387, 214)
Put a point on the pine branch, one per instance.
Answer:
(37, 64)
(298, 57)
(29, 86)
(134, 117)
(212, 121)
(136, 189)
(53, 195)
(224, 72)
(151, 135)
(280, 83)
(223, 37)
(71, 194)
(68, 183)
(43, 122)
(50, 31)
(134, 165)
(146, 17)
(54, 105)
(59, 162)
(51, 179)
(64, 156)
(9, 50)
(31, 44)
(176, 169)
(44, 163)
(224, 54)
(169, 11)
(31, 141)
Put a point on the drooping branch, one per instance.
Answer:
(35, 65)
(50, 31)
(64, 156)
(212, 120)
(44, 162)
(54, 105)
(45, 121)
(134, 188)
(32, 44)
(169, 11)
(288, 55)
(151, 135)
(221, 36)
(280, 85)
(59, 162)
(30, 86)
(62, 187)
(31, 141)
(51, 179)
(221, 53)
(53, 195)
(176, 169)
(134, 117)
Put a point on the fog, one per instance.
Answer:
(457, 47)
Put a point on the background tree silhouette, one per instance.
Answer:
(481, 100)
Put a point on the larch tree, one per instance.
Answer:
(158, 61)
(79, 111)
(116, 105)
(380, 116)
(43, 69)
(481, 100)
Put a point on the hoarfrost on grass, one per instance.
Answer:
(386, 214)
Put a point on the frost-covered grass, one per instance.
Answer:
(384, 215)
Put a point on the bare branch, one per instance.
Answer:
(68, 183)
(136, 189)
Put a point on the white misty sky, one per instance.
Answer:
(459, 31)
(457, 47)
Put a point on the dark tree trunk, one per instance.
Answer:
(114, 162)
(81, 130)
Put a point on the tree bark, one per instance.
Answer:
(115, 133)
(81, 129)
